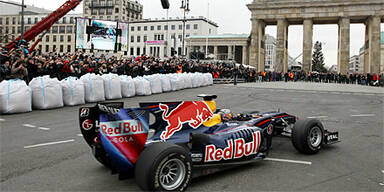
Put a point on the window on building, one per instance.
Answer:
(180, 37)
(162, 37)
(195, 26)
(109, 11)
(61, 48)
(102, 11)
(188, 26)
(14, 20)
(36, 20)
(109, 18)
(116, 18)
(68, 48)
(54, 38)
(13, 30)
(132, 39)
(40, 47)
(166, 27)
(101, 17)
(94, 11)
(131, 52)
(69, 29)
(116, 10)
(54, 49)
(138, 51)
(29, 21)
(54, 29)
(64, 20)
(145, 38)
(18, 29)
(159, 27)
(69, 38)
(7, 21)
(61, 38)
(144, 51)
(71, 20)
(62, 29)
(138, 39)
(152, 28)
(139, 28)
(155, 37)
(46, 48)
(145, 28)
(132, 28)
(1, 21)
(86, 11)
(173, 27)
(180, 27)
(47, 38)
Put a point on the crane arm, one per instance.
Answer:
(46, 23)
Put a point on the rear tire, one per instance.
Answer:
(308, 136)
(163, 167)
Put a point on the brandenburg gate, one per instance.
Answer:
(307, 13)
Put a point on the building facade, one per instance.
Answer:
(160, 37)
(113, 10)
(363, 54)
(354, 64)
(60, 38)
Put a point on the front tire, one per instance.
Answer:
(163, 167)
(308, 136)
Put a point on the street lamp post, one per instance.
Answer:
(185, 7)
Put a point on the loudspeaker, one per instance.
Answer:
(165, 4)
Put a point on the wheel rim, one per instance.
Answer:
(315, 136)
(172, 174)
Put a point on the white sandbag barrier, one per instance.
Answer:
(94, 88)
(112, 87)
(73, 91)
(155, 83)
(15, 97)
(46, 93)
(143, 86)
(166, 83)
(127, 86)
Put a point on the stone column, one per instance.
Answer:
(344, 44)
(245, 55)
(256, 52)
(216, 52)
(230, 55)
(307, 44)
(372, 54)
(282, 46)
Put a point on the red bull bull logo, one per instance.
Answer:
(195, 113)
(236, 149)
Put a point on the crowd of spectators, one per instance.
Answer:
(21, 64)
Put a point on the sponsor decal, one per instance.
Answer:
(195, 113)
(121, 131)
(87, 124)
(84, 112)
(235, 149)
(108, 109)
(333, 137)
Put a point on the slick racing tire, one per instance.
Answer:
(163, 167)
(308, 136)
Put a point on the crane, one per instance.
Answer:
(44, 25)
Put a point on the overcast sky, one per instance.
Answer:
(233, 16)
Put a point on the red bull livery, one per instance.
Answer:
(189, 139)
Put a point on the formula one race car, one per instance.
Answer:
(189, 139)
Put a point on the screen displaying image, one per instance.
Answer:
(123, 39)
(81, 33)
(103, 35)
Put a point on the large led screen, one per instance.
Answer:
(123, 40)
(103, 34)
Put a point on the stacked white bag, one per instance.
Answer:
(112, 87)
(210, 78)
(127, 86)
(196, 80)
(94, 88)
(143, 87)
(187, 81)
(166, 83)
(46, 93)
(155, 82)
(15, 97)
(73, 91)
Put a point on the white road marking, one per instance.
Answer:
(51, 143)
(79, 135)
(382, 171)
(382, 184)
(289, 161)
(364, 115)
(44, 128)
(318, 117)
(2, 119)
(29, 125)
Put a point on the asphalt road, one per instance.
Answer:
(355, 164)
